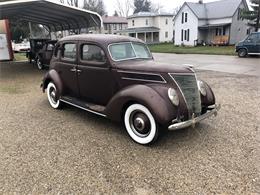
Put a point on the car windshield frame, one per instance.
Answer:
(133, 58)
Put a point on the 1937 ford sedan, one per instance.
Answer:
(116, 77)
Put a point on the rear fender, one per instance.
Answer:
(52, 76)
(142, 94)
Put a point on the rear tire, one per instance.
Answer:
(52, 96)
(140, 124)
(242, 53)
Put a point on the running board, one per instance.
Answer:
(89, 107)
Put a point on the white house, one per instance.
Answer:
(218, 22)
(151, 27)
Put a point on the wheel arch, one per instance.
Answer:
(53, 76)
(140, 94)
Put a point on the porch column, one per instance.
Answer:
(145, 37)
(152, 36)
(136, 35)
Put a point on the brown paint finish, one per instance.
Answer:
(114, 85)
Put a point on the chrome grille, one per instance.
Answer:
(188, 86)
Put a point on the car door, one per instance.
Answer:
(95, 77)
(250, 43)
(258, 43)
(67, 68)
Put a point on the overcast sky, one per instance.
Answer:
(167, 5)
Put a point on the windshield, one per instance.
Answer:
(128, 50)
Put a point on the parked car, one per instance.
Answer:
(35, 46)
(21, 47)
(250, 46)
(116, 77)
(44, 55)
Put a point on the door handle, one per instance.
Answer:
(73, 70)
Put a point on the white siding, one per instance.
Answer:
(165, 28)
(191, 24)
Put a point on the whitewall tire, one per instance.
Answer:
(51, 94)
(140, 124)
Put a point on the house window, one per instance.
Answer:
(166, 34)
(166, 21)
(248, 31)
(114, 27)
(146, 22)
(186, 17)
(239, 11)
(218, 31)
(120, 26)
(133, 22)
(182, 17)
(185, 35)
(188, 35)
(182, 31)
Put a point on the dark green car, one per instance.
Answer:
(250, 46)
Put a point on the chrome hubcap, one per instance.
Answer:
(140, 124)
(53, 95)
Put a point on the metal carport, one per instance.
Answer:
(54, 15)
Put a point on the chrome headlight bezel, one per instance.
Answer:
(173, 96)
(202, 88)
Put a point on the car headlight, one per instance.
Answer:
(173, 96)
(202, 88)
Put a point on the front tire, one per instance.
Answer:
(52, 96)
(140, 124)
(242, 53)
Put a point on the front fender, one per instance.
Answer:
(209, 99)
(52, 76)
(142, 94)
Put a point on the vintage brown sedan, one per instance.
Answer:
(116, 77)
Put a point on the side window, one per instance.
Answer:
(92, 53)
(69, 51)
(252, 38)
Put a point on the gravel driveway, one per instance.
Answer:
(70, 151)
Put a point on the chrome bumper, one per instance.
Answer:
(192, 122)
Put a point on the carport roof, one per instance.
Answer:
(52, 14)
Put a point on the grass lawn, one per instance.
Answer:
(210, 50)
(20, 57)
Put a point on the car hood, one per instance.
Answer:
(152, 66)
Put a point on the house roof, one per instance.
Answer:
(214, 10)
(140, 30)
(114, 20)
(52, 14)
(150, 14)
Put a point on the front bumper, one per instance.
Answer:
(192, 122)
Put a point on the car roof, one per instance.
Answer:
(102, 39)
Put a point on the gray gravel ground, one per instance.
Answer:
(70, 151)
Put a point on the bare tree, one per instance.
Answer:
(156, 8)
(74, 3)
(95, 5)
(124, 7)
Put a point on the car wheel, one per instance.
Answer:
(39, 63)
(140, 124)
(52, 96)
(242, 53)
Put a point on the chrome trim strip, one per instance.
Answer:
(77, 106)
(254, 53)
(192, 122)
(143, 73)
(132, 79)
